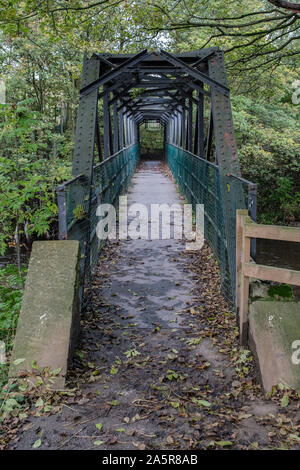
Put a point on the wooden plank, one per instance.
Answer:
(272, 232)
(270, 273)
(244, 288)
(239, 246)
(245, 230)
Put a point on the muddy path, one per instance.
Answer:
(159, 365)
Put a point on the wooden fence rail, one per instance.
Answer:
(246, 229)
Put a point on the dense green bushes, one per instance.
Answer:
(36, 133)
(151, 140)
(268, 140)
(11, 290)
(33, 161)
(269, 144)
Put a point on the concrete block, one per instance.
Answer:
(49, 321)
(274, 329)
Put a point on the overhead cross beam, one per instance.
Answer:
(113, 73)
(195, 73)
(124, 91)
(167, 87)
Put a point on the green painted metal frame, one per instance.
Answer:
(78, 201)
(202, 182)
(173, 84)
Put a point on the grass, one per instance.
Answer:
(11, 291)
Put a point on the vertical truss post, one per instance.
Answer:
(83, 161)
(121, 128)
(180, 127)
(116, 127)
(200, 127)
(126, 130)
(98, 137)
(209, 136)
(222, 118)
(196, 139)
(106, 123)
(138, 138)
(228, 161)
(129, 131)
(83, 158)
(174, 129)
(111, 142)
(183, 127)
(134, 131)
(167, 131)
(190, 126)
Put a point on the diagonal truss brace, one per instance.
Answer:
(113, 73)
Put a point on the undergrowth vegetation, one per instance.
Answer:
(269, 144)
(11, 290)
(40, 65)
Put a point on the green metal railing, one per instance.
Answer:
(199, 180)
(202, 183)
(78, 201)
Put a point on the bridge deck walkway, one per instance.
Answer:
(156, 363)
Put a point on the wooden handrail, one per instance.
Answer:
(246, 229)
(272, 232)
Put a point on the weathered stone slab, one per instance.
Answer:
(49, 321)
(259, 290)
(274, 332)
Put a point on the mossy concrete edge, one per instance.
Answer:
(49, 321)
(274, 329)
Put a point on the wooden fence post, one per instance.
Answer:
(244, 284)
(245, 230)
(240, 213)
